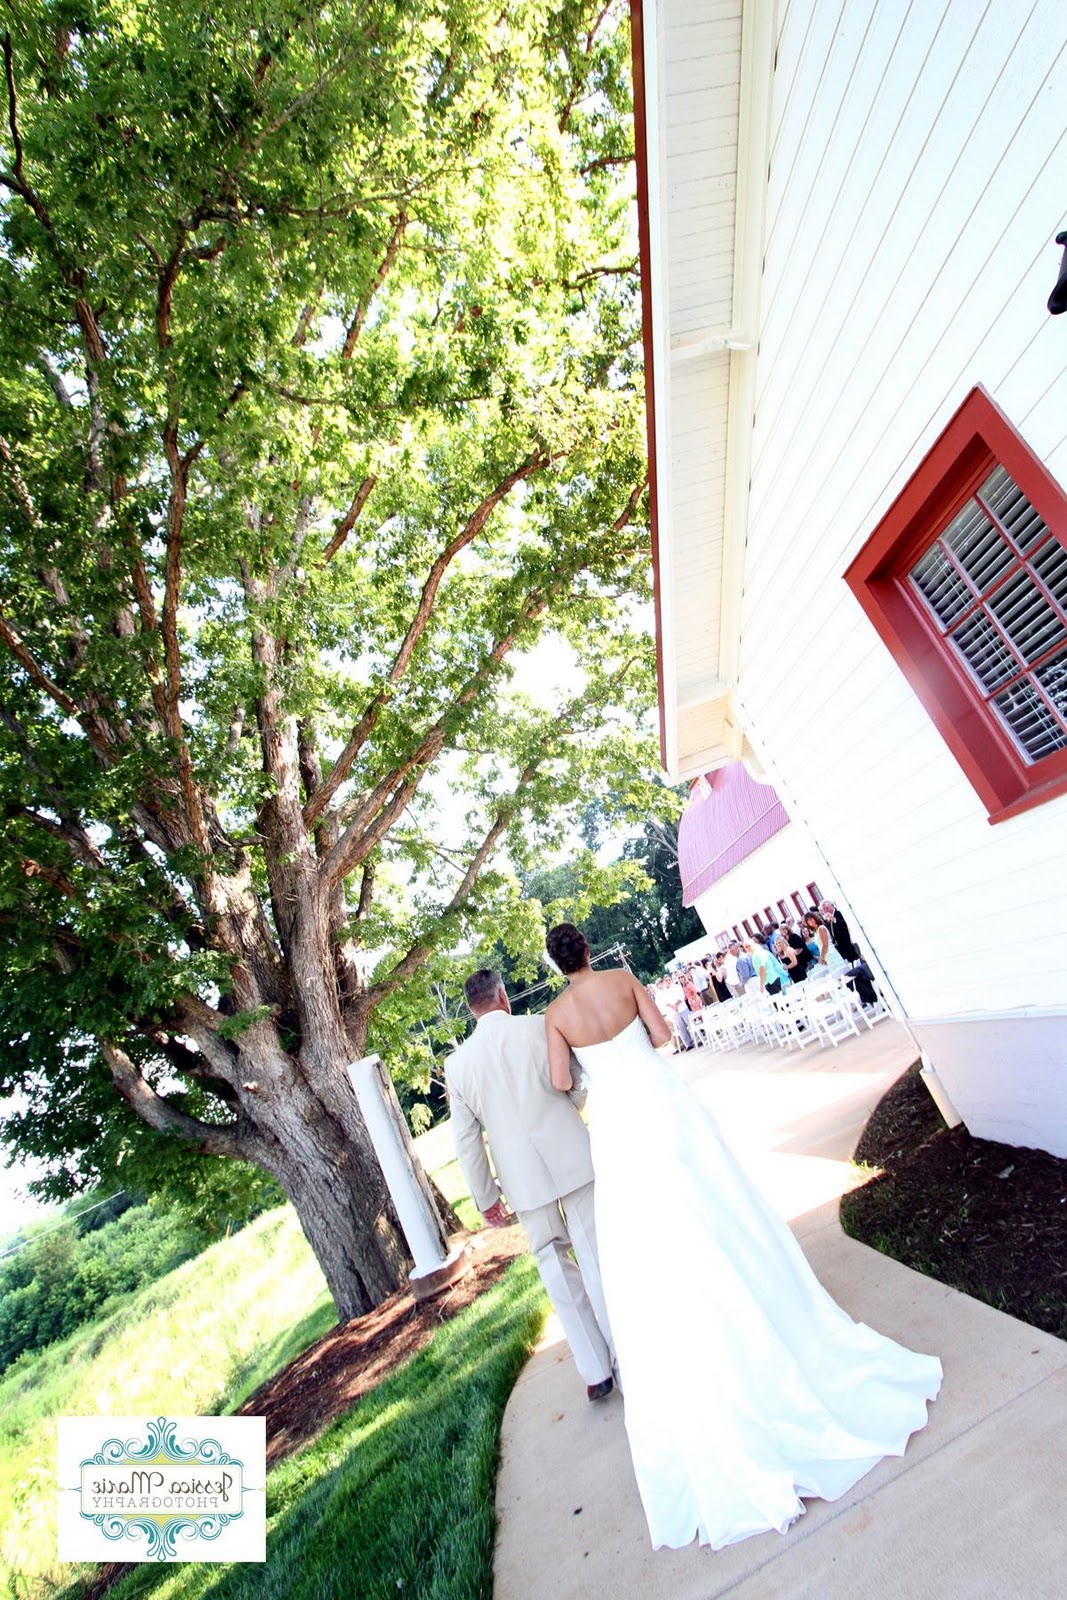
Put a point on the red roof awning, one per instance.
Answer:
(729, 815)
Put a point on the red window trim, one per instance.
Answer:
(978, 436)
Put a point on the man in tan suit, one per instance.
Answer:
(499, 1086)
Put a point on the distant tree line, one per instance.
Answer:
(64, 1276)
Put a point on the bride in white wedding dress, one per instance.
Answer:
(745, 1385)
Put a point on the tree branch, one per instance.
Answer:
(190, 1064)
(22, 493)
(12, 115)
(564, 722)
(366, 891)
(343, 57)
(37, 869)
(10, 636)
(165, 294)
(16, 180)
(158, 1112)
(70, 832)
(410, 963)
(572, 98)
(348, 521)
(366, 823)
(179, 477)
(535, 462)
(606, 161)
(55, 380)
(631, 506)
(400, 222)
(307, 315)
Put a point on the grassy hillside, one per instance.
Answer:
(396, 1496)
(194, 1342)
(75, 1271)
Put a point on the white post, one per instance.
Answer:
(435, 1266)
(938, 1092)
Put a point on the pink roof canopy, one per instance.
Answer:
(728, 816)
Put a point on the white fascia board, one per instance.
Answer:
(716, 341)
(655, 147)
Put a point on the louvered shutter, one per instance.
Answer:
(995, 584)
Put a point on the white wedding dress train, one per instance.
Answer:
(745, 1385)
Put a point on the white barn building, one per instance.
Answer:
(858, 430)
(743, 864)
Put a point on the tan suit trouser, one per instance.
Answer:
(574, 1290)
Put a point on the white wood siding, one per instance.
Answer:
(918, 176)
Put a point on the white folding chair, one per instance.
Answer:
(830, 1014)
(793, 1019)
(698, 1028)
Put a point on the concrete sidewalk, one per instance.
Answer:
(977, 1508)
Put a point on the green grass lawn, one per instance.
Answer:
(397, 1497)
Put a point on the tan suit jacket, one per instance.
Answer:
(498, 1084)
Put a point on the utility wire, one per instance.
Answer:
(65, 1222)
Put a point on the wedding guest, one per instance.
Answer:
(858, 973)
(803, 958)
(838, 930)
(676, 1010)
(772, 974)
(817, 938)
(693, 997)
(729, 968)
(716, 966)
(787, 956)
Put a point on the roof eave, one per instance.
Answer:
(737, 345)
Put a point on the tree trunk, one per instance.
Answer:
(349, 1222)
(311, 1137)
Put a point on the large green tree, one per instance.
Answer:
(319, 406)
(647, 918)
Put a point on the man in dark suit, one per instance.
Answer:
(838, 930)
(858, 971)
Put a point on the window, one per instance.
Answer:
(965, 579)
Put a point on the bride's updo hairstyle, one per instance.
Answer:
(567, 947)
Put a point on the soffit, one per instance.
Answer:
(695, 267)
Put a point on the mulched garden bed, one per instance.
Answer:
(329, 1377)
(990, 1219)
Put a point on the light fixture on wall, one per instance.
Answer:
(1057, 300)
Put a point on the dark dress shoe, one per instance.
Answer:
(600, 1391)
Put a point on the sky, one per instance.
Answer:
(16, 1206)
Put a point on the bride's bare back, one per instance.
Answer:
(594, 1008)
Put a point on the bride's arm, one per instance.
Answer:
(559, 1056)
(649, 1012)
